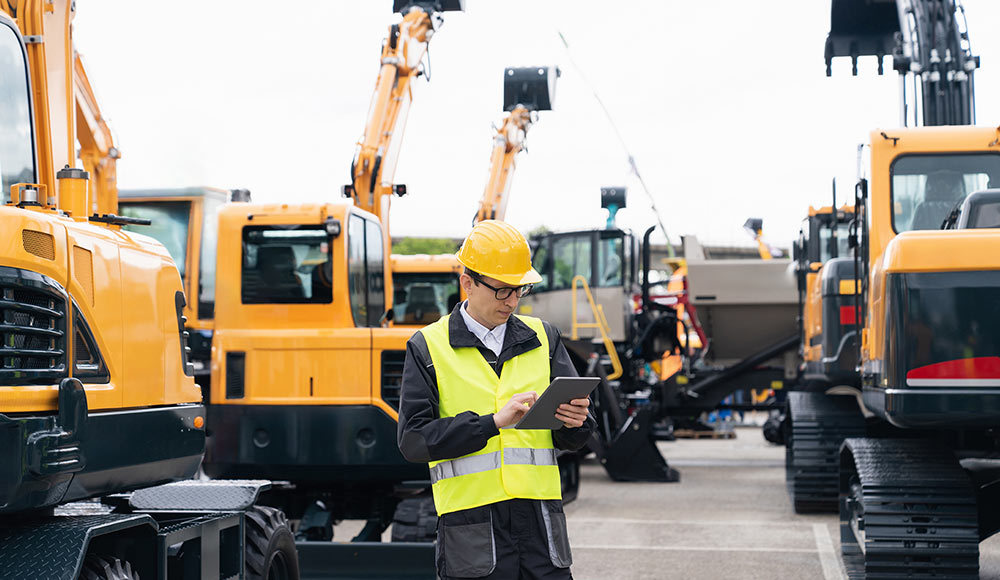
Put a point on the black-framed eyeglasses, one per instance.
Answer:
(505, 292)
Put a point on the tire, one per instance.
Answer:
(415, 520)
(107, 568)
(270, 545)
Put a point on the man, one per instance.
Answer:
(467, 379)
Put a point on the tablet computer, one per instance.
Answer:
(542, 415)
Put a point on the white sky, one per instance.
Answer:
(724, 104)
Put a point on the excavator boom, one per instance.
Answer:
(374, 164)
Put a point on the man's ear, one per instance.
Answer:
(466, 281)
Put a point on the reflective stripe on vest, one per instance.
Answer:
(517, 463)
(478, 463)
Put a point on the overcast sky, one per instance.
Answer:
(724, 104)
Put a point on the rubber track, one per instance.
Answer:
(919, 512)
(819, 425)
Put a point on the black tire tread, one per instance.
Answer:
(262, 525)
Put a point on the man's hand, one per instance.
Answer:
(515, 408)
(574, 413)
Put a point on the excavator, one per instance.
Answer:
(306, 364)
(99, 402)
(426, 286)
(911, 470)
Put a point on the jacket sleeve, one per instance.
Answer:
(560, 365)
(423, 435)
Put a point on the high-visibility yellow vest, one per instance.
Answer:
(518, 463)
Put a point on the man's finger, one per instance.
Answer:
(580, 403)
(572, 409)
(577, 420)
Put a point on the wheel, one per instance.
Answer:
(415, 520)
(270, 545)
(97, 567)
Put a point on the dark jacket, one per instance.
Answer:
(424, 435)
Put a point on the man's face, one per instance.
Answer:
(483, 303)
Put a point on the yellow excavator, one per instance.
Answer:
(915, 481)
(98, 399)
(426, 286)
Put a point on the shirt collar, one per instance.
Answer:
(478, 329)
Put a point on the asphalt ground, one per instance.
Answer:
(728, 517)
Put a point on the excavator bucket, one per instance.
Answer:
(429, 5)
(929, 43)
(861, 28)
(532, 87)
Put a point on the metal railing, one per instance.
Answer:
(600, 323)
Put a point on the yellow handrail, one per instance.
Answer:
(600, 323)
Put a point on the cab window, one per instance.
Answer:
(926, 188)
(610, 262)
(571, 258)
(287, 264)
(365, 271)
(17, 157)
(830, 248)
(170, 220)
(422, 298)
(209, 246)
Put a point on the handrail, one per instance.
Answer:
(600, 323)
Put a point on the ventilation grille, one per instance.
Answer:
(392, 376)
(39, 244)
(83, 269)
(235, 365)
(32, 327)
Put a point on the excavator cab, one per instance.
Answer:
(824, 268)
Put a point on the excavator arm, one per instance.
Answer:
(526, 91)
(929, 44)
(97, 146)
(374, 163)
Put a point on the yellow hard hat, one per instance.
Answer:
(496, 249)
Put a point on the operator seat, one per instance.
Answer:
(944, 189)
(276, 265)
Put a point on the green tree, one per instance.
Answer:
(424, 246)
